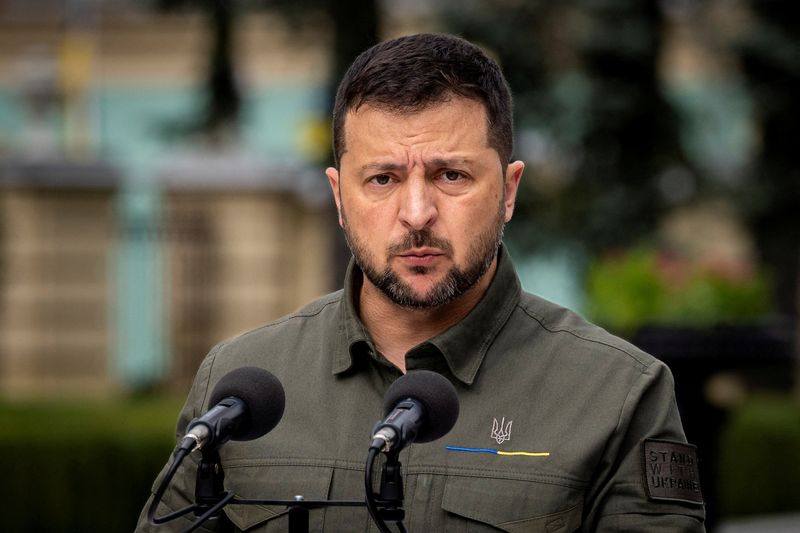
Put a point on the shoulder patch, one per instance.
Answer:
(670, 471)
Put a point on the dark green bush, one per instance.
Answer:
(760, 458)
(77, 468)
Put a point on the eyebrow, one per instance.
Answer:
(448, 162)
(381, 166)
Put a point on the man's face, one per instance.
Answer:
(423, 199)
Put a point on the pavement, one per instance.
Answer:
(788, 523)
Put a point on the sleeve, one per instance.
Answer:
(647, 479)
(180, 492)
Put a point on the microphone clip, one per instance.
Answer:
(209, 487)
(390, 495)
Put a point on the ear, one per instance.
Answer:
(511, 185)
(333, 180)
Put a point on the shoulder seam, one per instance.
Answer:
(541, 322)
(212, 358)
(334, 298)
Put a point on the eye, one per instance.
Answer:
(381, 179)
(452, 176)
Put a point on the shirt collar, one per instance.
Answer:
(463, 346)
(353, 336)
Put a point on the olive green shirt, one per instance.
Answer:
(531, 377)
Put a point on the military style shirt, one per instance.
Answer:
(562, 426)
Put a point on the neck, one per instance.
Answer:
(396, 329)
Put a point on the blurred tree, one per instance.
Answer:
(357, 27)
(223, 101)
(770, 57)
(631, 144)
(355, 24)
(219, 114)
(600, 139)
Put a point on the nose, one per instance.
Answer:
(418, 204)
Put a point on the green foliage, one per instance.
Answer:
(760, 458)
(82, 467)
(641, 287)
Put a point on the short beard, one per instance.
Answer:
(456, 281)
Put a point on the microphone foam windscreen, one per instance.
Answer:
(433, 391)
(261, 392)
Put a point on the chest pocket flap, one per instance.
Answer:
(275, 482)
(514, 506)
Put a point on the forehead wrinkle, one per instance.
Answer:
(437, 141)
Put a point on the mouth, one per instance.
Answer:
(421, 257)
(421, 252)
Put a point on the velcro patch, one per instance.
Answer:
(670, 471)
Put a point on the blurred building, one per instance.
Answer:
(126, 248)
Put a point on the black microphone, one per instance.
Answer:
(248, 402)
(420, 406)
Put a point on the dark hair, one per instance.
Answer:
(410, 73)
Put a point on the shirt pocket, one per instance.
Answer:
(274, 482)
(492, 504)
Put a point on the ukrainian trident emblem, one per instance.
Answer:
(501, 431)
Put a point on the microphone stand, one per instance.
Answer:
(387, 505)
(211, 497)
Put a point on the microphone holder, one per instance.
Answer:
(209, 488)
(390, 495)
(209, 491)
(387, 504)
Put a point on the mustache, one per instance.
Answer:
(419, 239)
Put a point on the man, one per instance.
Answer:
(563, 427)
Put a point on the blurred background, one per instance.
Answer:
(162, 188)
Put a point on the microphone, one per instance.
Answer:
(248, 402)
(421, 406)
